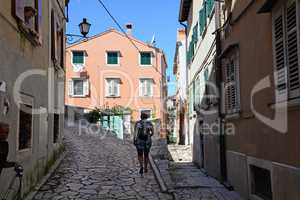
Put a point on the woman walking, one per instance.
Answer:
(4, 147)
(143, 132)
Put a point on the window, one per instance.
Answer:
(29, 14)
(113, 87)
(286, 47)
(57, 40)
(78, 57)
(231, 83)
(78, 87)
(55, 128)
(146, 87)
(25, 126)
(261, 182)
(112, 58)
(145, 58)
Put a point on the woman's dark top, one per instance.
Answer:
(4, 147)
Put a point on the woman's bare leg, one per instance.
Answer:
(141, 161)
(146, 161)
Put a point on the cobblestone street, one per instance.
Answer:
(99, 168)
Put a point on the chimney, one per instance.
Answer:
(129, 28)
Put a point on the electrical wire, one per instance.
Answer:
(118, 24)
(124, 32)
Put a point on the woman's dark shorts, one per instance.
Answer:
(143, 146)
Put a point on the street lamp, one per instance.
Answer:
(84, 28)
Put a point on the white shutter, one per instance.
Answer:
(70, 86)
(109, 87)
(279, 56)
(114, 87)
(141, 87)
(118, 83)
(292, 46)
(149, 87)
(86, 87)
(106, 87)
(54, 55)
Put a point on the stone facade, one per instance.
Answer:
(32, 91)
(202, 18)
(262, 151)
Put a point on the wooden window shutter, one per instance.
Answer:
(141, 87)
(107, 87)
(86, 87)
(209, 7)
(18, 9)
(62, 47)
(53, 36)
(149, 87)
(231, 86)
(70, 87)
(110, 87)
(279, 56)
(201, 25)
(292, 47)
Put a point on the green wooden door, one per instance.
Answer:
(117, 126)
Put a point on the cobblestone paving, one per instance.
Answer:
(96, 168)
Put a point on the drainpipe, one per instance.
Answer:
(219, 79)
(186, 84)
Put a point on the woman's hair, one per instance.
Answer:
(144, 115)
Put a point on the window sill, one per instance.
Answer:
(78, 65)
(23, 154)
(29, 34)
(113, 65)
(113, 97)
(293, 104)
(146, 96)
(232, 116)
(146, 65)
(78, 96)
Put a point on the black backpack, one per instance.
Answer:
(143, 132)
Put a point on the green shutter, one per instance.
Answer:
(146, 58)
(209, 7)
(201, 21)
(191, 50)
(195, 34)
(112, 58)
(188, 57)
(78, 57)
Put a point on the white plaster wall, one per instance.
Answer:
(204, 55)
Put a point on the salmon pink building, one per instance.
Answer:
(110, 69)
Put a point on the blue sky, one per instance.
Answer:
(159, 17)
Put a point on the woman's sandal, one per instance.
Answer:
(141, 171)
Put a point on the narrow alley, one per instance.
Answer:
(99, 168)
